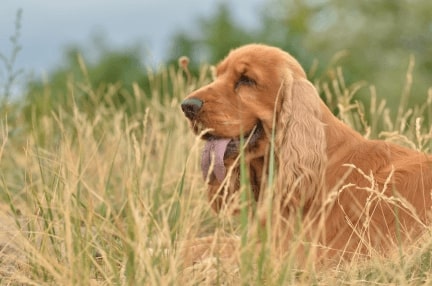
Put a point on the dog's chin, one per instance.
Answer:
(251, 138)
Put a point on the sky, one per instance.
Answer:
(48, 26)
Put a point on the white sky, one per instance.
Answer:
(50, 25)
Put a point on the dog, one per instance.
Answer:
(352, 195)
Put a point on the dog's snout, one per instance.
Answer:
(191, 107)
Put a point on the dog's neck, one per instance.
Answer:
(338, 134)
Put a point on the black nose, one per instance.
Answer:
(191, 107)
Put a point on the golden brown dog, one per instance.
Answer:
(351, 194)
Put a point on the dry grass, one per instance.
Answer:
(115, 199)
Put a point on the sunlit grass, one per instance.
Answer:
(98, 194)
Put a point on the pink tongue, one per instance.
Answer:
(218, 147)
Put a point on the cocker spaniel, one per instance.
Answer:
(352, 195)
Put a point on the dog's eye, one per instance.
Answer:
(245, 80)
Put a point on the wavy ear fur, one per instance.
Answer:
(300, 142)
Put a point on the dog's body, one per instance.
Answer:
(351, 193)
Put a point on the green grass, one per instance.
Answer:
(94, 194)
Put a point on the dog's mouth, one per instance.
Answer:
(217, 149)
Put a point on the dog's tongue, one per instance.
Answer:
(218, 148)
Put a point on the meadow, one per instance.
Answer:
(93, 193)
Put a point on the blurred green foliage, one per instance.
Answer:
(216, 35)
(112, 71)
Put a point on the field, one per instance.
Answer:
(97, 194)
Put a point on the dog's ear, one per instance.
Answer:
(300, 141)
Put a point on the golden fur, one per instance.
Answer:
(350, 193)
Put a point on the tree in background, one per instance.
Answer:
(103, 69)
(215, 37)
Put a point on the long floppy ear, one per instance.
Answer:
(299, 142)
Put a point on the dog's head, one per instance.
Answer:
(258, 88)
